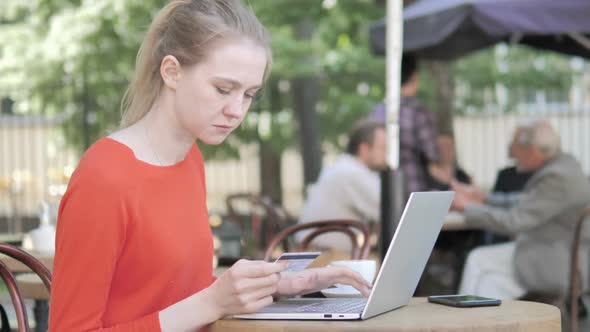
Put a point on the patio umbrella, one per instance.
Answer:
(448, 29)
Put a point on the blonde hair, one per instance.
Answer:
(186, 29)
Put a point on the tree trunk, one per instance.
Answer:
(270, 160)
(305, 94)
(270, 173)
(445, 92)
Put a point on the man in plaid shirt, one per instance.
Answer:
(417, 130)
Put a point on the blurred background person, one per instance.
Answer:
(510, 181)
(350, 188)
(417, 130)
(541, 221)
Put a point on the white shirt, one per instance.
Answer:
(347, 189)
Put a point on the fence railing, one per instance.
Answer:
(35, 160)
(482, 141)
(35, 164)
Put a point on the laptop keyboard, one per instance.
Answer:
(349, 305)
(337, 306)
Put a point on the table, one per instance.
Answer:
(12, 238)
(421, 316)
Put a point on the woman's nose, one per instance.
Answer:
(235, 108)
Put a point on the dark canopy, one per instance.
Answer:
(447, 29)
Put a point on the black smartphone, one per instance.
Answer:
(464, 301)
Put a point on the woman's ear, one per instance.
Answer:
(170, 71)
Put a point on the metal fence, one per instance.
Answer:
(35, 163)
(35, 160)
(482, 141)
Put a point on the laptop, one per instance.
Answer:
(398, 277)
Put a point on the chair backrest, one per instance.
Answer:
(574, 291)
(259, 219)
(358, 251)
(17, 299)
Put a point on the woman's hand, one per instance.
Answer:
(314, 280)
(246, 287)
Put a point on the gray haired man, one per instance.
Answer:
(541, 222)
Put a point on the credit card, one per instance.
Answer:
(298, 261)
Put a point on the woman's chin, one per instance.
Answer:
(213, 140)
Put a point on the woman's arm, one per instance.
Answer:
(246, 287)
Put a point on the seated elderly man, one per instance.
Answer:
(541, 222)
(350, 187)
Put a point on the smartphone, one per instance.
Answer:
(464, 301)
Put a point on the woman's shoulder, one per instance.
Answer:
(107, 161)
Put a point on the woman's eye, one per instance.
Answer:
(223, 91)
(250, 95)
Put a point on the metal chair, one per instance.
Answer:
(259, 219)
(358, 251)
(15, 293)
(574, 290)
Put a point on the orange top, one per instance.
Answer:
(132, 239)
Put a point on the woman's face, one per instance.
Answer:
(212, 97)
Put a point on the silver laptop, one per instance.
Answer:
(398, 277)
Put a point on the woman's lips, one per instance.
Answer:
(223, 127)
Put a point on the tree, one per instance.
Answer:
(81, 70)
(79, 56)
(498, 79)
(510, 75)
(326, 69)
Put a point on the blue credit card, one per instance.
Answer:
(298, 260)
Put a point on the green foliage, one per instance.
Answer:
(518, 71)
(77, 55)
(80, 55)
(66, 56)
(337, 53)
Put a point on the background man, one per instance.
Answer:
(419, 152)
(350, 188)
(542, 222)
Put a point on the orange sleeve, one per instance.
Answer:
(91, 231)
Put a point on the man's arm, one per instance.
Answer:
(503, 200)
(536, 206)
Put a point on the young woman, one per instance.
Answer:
(134, 249)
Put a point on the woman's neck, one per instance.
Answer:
(163, 134)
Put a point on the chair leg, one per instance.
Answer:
(41, 313)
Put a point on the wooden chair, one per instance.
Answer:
(573, 295)
(259, 219)
(13, 289)
(574, 291)
(358, 251)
